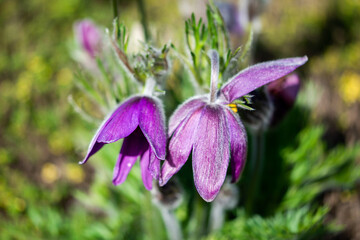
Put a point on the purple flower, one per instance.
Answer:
(88, 36)
(230, 14)
(285, 88)
(140, 121)
(283, 93)
(207, 127)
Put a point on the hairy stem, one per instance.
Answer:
(214, 57)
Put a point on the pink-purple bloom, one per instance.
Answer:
(140, 121)
(88, 36)
(207, 127)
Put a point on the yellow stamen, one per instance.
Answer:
(233, 107)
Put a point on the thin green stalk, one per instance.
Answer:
(141, 6)
(256, 168)
(115, 9)
(198, 223)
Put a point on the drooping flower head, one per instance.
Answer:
(207, 127)
(140, 121)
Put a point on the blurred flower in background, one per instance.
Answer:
(88, 36)
(283, 93)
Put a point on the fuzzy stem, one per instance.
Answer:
(171, 223)
(217, 217)
(214, 57)
(149, 86)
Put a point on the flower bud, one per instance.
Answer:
(88, 36)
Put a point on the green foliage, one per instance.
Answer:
(300, 223)
(315, 169)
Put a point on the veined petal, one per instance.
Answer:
(258, 75)
(211, 152)
(152, 124)
(122, 122)
(183, 111)
(132, 147)
(154, 165)
(180, 146)
(238, 144)
(144, 166)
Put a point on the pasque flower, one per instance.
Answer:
(140, 121)
(207, 127)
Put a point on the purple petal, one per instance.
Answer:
(152, 124)
(132, 147)
(183, 111)
(238, 144)
(144, 166)
(258, 75)
(211, 152)
(180, 146)
(154, 165)
(94, 147)
(122, 122)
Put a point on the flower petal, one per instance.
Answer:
(211, 152)
(183, 111)
(132, 147)
(180, 146)
(258, 75)
(152, 124)
(238, 144)
(122, 122)
(94, 147)
(144, 166)
(154, 165)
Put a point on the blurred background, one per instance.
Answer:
(45, 194)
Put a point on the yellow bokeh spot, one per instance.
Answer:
(35, 64)
(59, 142)
(4, 156)
(350, 87)
(49, 173)
(23, 87)
(64, 77)
(19, 204)
(74, 173)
